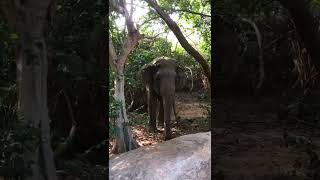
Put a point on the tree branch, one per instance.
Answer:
(151, 37)
(189, 11)
(146, 21)
(131, 40)
(184, 43)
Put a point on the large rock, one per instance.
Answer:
(186, 157)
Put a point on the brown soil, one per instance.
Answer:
(250, 143)
(252, 146)
(192, 118)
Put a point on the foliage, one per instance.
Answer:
(8, 89)
(139, 119)
(75, 64)
(114, 106)
(12, 145)
(150, 48)
(83, 169)
(84, 14)
(200, 23)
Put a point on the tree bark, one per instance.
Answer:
(183, 41)
(307, 25)
(124, 139)
(28, 19)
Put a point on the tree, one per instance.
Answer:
(124, 140)
(83, 84)
(181, 38)
(29, 20)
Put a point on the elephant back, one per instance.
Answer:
(167, 62)
(160, 61)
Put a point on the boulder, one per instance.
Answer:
(186, 157)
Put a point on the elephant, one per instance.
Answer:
(161, 78)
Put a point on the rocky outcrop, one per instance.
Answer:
(186, 157)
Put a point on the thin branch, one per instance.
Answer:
(146, 21)
(188, 36)
(183, 41)
(151, 37)
(132, 38)
(189, 11)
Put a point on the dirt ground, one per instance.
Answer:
(192, 118)
(251, 144)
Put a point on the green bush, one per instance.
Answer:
(12, 145)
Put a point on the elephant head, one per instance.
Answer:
(160, 78)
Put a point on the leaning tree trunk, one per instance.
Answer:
(29, 21)
(181, 38)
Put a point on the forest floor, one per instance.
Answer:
(193, 115)
(251, 144)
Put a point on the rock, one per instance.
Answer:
(186, 157)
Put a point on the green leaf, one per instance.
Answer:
(14, 36)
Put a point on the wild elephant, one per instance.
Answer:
(161, 78)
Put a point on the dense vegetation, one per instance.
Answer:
(55, 72)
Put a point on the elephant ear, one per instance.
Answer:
(147, 73)
(181, 78)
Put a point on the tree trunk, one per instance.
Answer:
(124, 138)
(257, 90)
(29, 22)
(32, 80)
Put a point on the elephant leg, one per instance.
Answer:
(153, 102)
(175, 112)
(167, 105)
(161, 114)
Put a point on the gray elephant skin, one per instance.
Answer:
(161, 78)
